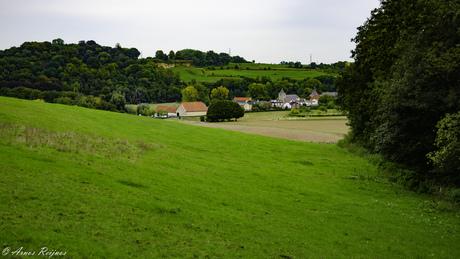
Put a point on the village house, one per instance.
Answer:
(291, 104)
(276, 103)
(244, 102)
(242, 99)
(309, 103)
(314, 93)
(190, 109)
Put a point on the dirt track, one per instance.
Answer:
(307, 131)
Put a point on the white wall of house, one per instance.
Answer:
(181, 112)
(247, 107)
(191, 114)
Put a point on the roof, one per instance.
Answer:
(282, 91)
(292, 96)
(316, 96)
(291, 101)
(169, 109)
(194, 106)
(237, 99)
(314, 92)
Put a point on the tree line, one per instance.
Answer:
(90, 75)
(199, 58)
(402, 92)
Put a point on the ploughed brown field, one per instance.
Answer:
(308, 130)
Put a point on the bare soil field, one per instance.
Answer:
(308, 130)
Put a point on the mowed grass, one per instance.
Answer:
(106, 185)
(245, 70)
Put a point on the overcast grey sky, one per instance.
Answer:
(267, 31)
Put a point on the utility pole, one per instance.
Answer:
(310, 59)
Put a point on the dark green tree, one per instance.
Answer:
(446, 158)
(119, 101)
(171, 55)
(404, 79)
(224, 110)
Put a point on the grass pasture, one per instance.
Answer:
(92, 183)
(278, 124)
(245, 70)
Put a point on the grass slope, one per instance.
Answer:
(92, 183)
(245, 70)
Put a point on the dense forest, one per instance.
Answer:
(90, 75)
(402, 93)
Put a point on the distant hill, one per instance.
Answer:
(90, 75)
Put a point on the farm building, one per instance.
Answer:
(170, 109)
(190, 109)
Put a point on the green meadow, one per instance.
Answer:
(250, 70)
(97, 184)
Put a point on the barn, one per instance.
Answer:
(190, 109)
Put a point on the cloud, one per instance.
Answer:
(267, 31)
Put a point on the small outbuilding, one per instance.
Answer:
(190, 109)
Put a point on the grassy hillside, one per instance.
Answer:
(275, 72)
(99, 184)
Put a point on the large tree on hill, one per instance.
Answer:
(405, 78)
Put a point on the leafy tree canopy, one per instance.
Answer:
(404, 79)
(224, 110)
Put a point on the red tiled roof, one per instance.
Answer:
(194, 106)
(169, 109)
(241, 99)
(316, 96)
(160, 107)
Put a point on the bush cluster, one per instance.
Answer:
(67, 98)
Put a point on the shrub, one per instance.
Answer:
(294, 112)
(50, 96)
(65, 100)
(119, 101)
(141, 107)
(162, 113)
(129, 109)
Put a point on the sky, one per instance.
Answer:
(266, 31)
